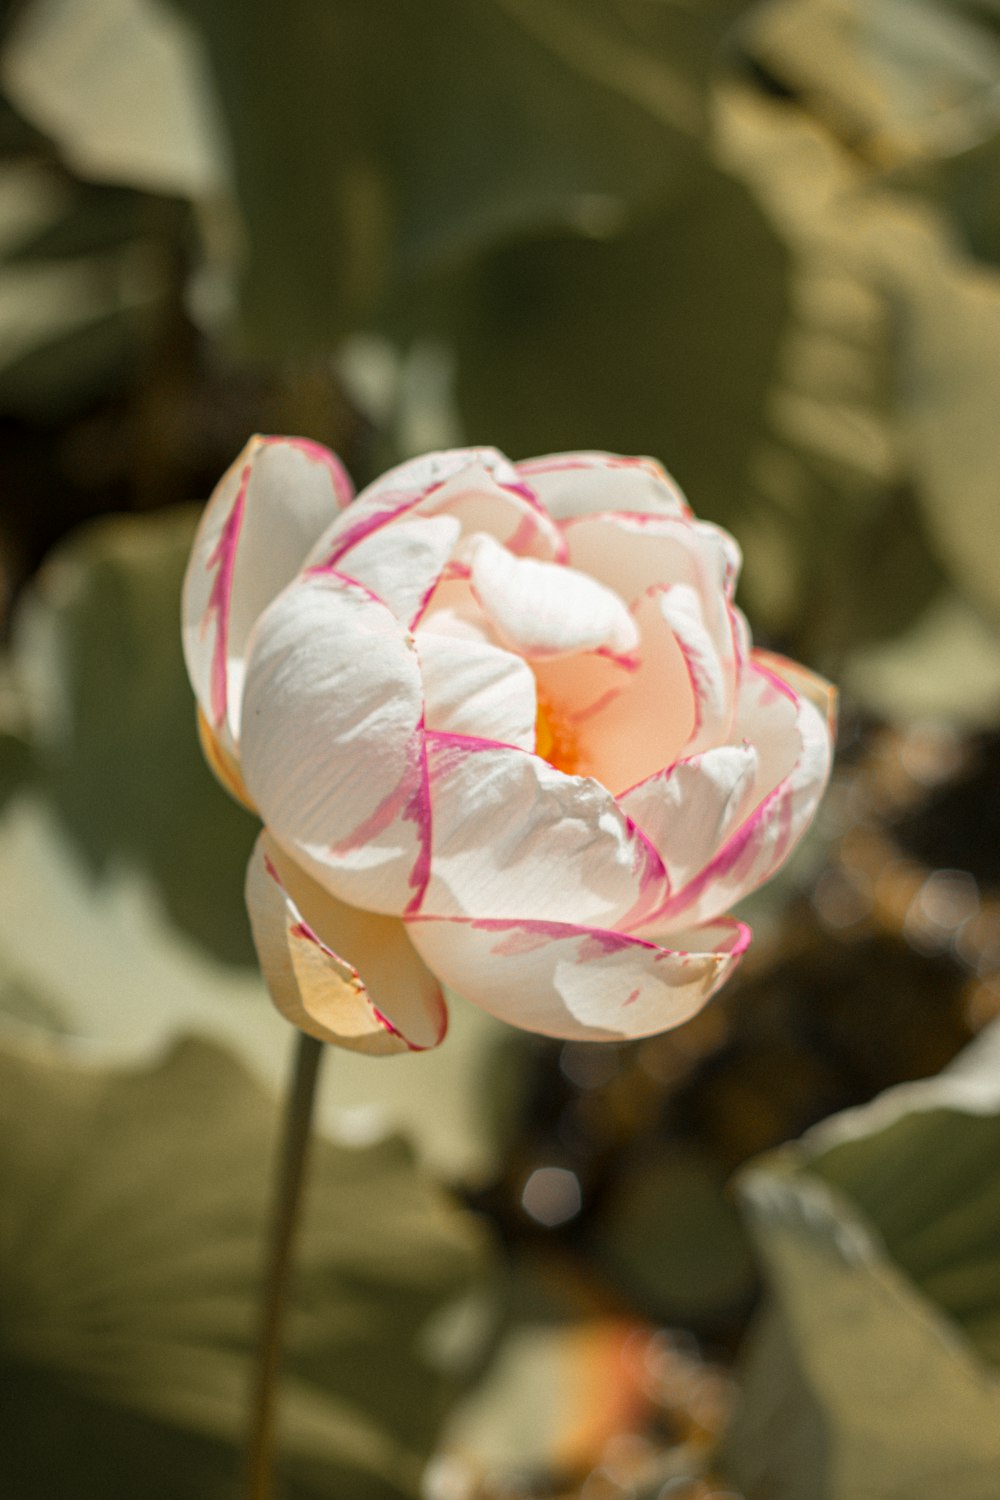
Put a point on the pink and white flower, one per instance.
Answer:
(506, 732)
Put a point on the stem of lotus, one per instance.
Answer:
(284, 1220)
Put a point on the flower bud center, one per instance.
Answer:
(557, 741)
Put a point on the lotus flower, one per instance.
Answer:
(506, 732)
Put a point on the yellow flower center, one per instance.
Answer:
(557, 741)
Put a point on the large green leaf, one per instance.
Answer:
(131, 1236)
(874, 1371)
(373, 143)
(656, 340)
(97, 645)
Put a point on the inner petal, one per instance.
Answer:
(614, 719)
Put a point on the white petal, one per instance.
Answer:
(260, 523)
(575, 484)
(568, 980)
(474, 688)
(713, 677)
(688, 810)
(513, 835)
(478, 486)
(498, 503)
(631, 553)
(400, 563)
(332, 741)
(542, 609)
(346, 976)
(794, 750)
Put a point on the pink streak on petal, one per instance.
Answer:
(364, 528)
(409, 800)
(343, 488)
(631, 998)
(224, 559)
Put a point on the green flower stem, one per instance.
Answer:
(284, 1221)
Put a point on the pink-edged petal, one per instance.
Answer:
(478, 486)
(474, 688)
(400, 564)
(713, 677)
(645, 714)
(794, 753)
(574, 484)
(585, 983)
(346, 976)
(333, 740)
(259, 525)
(542, 609)
(633, 553)
(820, 693)
(512, 834)
(688, 810)
(496, 501)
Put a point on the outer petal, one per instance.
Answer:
(575, 484)
(346, 976)
(402, 563)
(794, 750)
(333, 740)
(584, 983)
(511, 834)
(688, 810)
(541, 609)
(478, 486)
(260, 523)
(474, 688)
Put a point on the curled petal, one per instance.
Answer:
(343, 975)
(713, 677)
(688, 810)
(333, 740)
(511, 834)
(474, 688)
(794, 751)
(543, 610)
(583, 983)
(259, 525)
(576, 484)
(820, 693)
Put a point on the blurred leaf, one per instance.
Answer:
(553, 1398)
(659, 339)
(121, 86)
(832, 505)
(671, 1237)
(947, 376)
(99, 962)
(372, 145)
(947, 668)
(891, 79)
(98, 646)
(132, 1223)
(75, 282)
(873, 1369)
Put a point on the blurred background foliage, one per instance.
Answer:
(759, 239)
